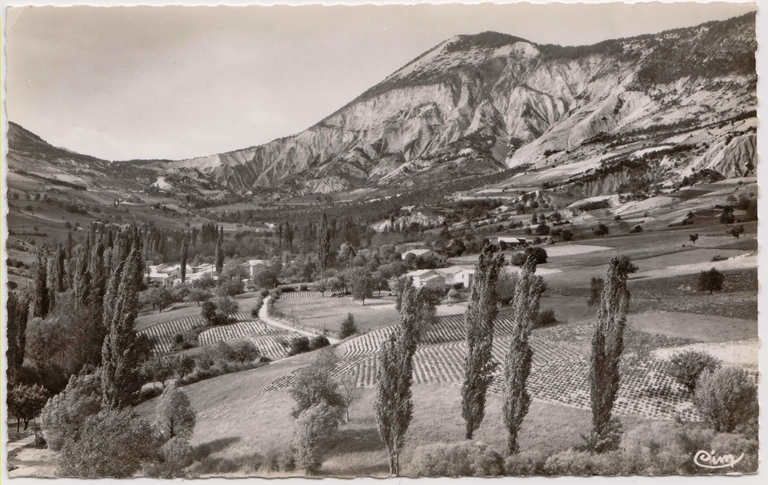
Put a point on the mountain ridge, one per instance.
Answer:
(481, 103)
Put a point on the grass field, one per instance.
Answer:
(704, 328)
(328, 313)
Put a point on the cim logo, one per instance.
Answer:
(706, 459)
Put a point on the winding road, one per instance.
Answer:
(271, 321)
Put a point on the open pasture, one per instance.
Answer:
(324, 313)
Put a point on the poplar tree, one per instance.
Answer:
(219, 255)
(479, 323)
(17, 308)
(607, 346)
(184, 250)
(61, 258)
(120, 375)
(517, 365)
(42, 298)
(324, 245)
(394, 407)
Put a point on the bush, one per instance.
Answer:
(215, 466)
(711, 281)
(112, 444)
(727, 399)
(545, 318)
(718, 257)
(686, 367)
(636, 229)
(40, 442)
(298, 346)
(736, 444)
(175, 456)
(279, 460)
(319, 342)
(525, 464)
(454, 295)
(458, 286)
(463, 459)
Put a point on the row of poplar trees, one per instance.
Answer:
(394, 406)
(104, 277)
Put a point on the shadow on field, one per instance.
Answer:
(355, 441)
(204, 450)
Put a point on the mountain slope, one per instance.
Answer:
(476, 104)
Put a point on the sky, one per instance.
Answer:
(125, 83)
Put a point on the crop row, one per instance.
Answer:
(295, 295)
(235, 331)
(274, 346)
(163, 332)
(559, 373)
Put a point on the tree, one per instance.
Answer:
(161, 298)
(314, 385)
(227, 306)
(693, 237)
(361, 284)
(41, 288)
(479, 318)
(505, 287)
(349, 392)
(517, 365)
(183, 267)
(324, 245)
(727, 399)
(65, 413)
(158, 368)
(26, 402)
(174, 415)
(727, 216)
(208, 311)
(607, 346)
(394, 408)
(314, 427)
(736, 231)
(601, 230)
(219, 252)
(686, 367)
(121, 351)
(595, 290)
(112, 444)
(198, 295)
(18, 313)
(348, 327)
(711, 281)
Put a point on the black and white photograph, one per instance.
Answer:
(392, 240)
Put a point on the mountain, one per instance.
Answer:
(597, 118)
(476, 104)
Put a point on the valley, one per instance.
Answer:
(617, 181)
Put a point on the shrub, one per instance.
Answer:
(727, 399)
(313, 428)
(40, 442)
(462, 459)
(112, 444)
(319, 342)
(711, 281)
(686, 367)
(458, 286)
(281, 460)
(718, 257)
(454, 295)
(298, 346)
(243, 352)
(175, 456)
(525, 464)
(545, 318)
(214, 466)
(636, 229)
(736, 444)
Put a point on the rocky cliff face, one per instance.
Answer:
(479, 104)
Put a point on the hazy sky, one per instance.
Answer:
(176, 82)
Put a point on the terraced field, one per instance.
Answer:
(559, 373)
(271, 341)
(297, 295)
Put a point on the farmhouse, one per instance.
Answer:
(427, 277)
(255, 266)
(511, 241)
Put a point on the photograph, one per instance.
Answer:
(409, 240)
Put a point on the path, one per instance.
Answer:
(270, 321)
(15, 445)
